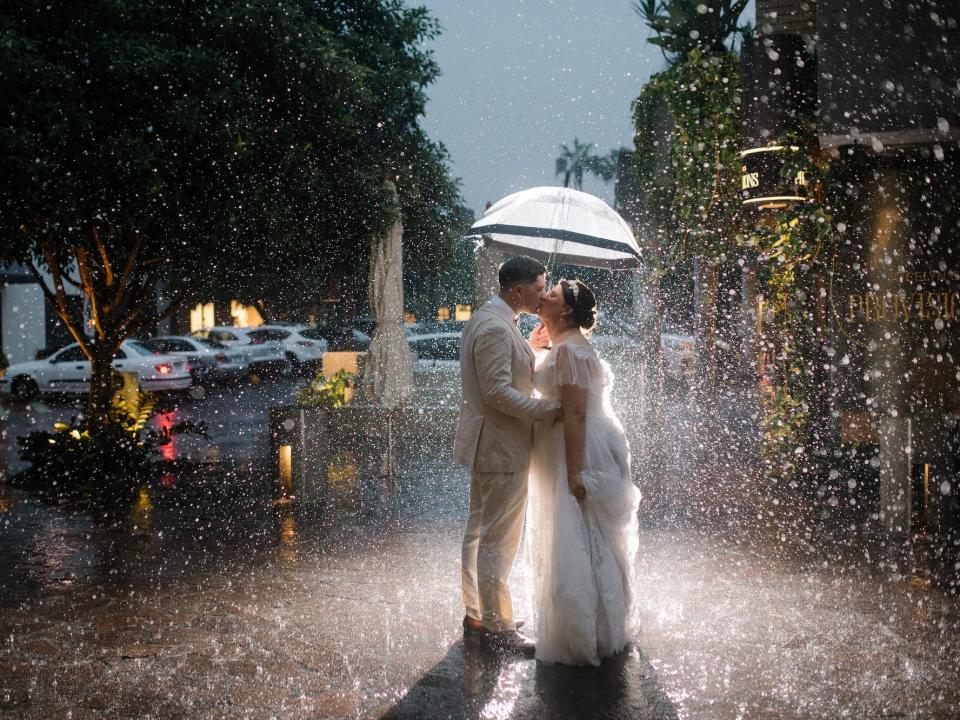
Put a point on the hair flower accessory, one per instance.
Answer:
(574, 288)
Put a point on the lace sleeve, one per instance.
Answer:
(577, 365)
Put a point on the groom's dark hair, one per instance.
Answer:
(520, 269)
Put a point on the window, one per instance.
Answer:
(177, 345)
(140, 348)
(312, 334)
(71, 353)
(268, 334)
(158, 346)
(222, 336)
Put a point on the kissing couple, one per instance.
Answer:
(543, 445)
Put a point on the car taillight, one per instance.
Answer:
(222, 358)
(163, 368)
(304, 343)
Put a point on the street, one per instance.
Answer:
(222, 602)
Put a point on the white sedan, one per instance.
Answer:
(68, 371)
(206, 359)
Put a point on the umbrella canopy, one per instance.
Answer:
(560, 225)
(389, 373)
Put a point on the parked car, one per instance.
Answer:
(436, 351)
(302, 345)
(265, 356)
(68, 371)
(207, 360)
(343, 338)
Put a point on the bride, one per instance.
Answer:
(582, 513)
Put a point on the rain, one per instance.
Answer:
(280, 427)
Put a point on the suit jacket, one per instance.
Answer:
(495, 430)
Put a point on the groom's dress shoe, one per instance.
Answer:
(472, 626)
(511, 643)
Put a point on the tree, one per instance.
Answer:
(687, 167)
(684, 25)
(176, 144)
(574, 164)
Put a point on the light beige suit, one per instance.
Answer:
(494, 439)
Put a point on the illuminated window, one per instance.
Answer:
(245, 315)
(201, 317)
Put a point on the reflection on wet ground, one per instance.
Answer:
(231, 604)
(212, 598)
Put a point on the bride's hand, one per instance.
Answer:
(540, 338)
(577, 488)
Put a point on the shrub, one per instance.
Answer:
(327, 392)
(100, 469)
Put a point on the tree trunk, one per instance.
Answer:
(100, 395)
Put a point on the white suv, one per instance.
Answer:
(302, 345)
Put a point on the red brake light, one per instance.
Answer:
(222, 358)
(164, 368)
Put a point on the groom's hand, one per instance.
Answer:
(540, 338)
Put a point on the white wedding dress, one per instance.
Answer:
(581, 558)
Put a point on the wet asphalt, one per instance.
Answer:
(216, 599)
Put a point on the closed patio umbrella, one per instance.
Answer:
(388, 378)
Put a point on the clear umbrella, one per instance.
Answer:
(388, 378)
(559, 225)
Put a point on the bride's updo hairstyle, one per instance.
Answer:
(580, 298)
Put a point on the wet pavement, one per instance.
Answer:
(219, 601)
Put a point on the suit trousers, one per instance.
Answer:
(498, 503)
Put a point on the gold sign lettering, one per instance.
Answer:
(749, 180)
(877, 307)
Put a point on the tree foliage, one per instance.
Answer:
(194, 145)
(681, 26)
(688, 167)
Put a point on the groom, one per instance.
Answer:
(494, 438)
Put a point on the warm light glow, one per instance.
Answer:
(348, 361)
(286, 469)
(141, 514)
(409, 318)
(443, 314)
(202, 317)
(163, 368)
(245, 315)
(165, 421)
(342, 473)
(463, 313)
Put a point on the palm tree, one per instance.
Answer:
(574, 164)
